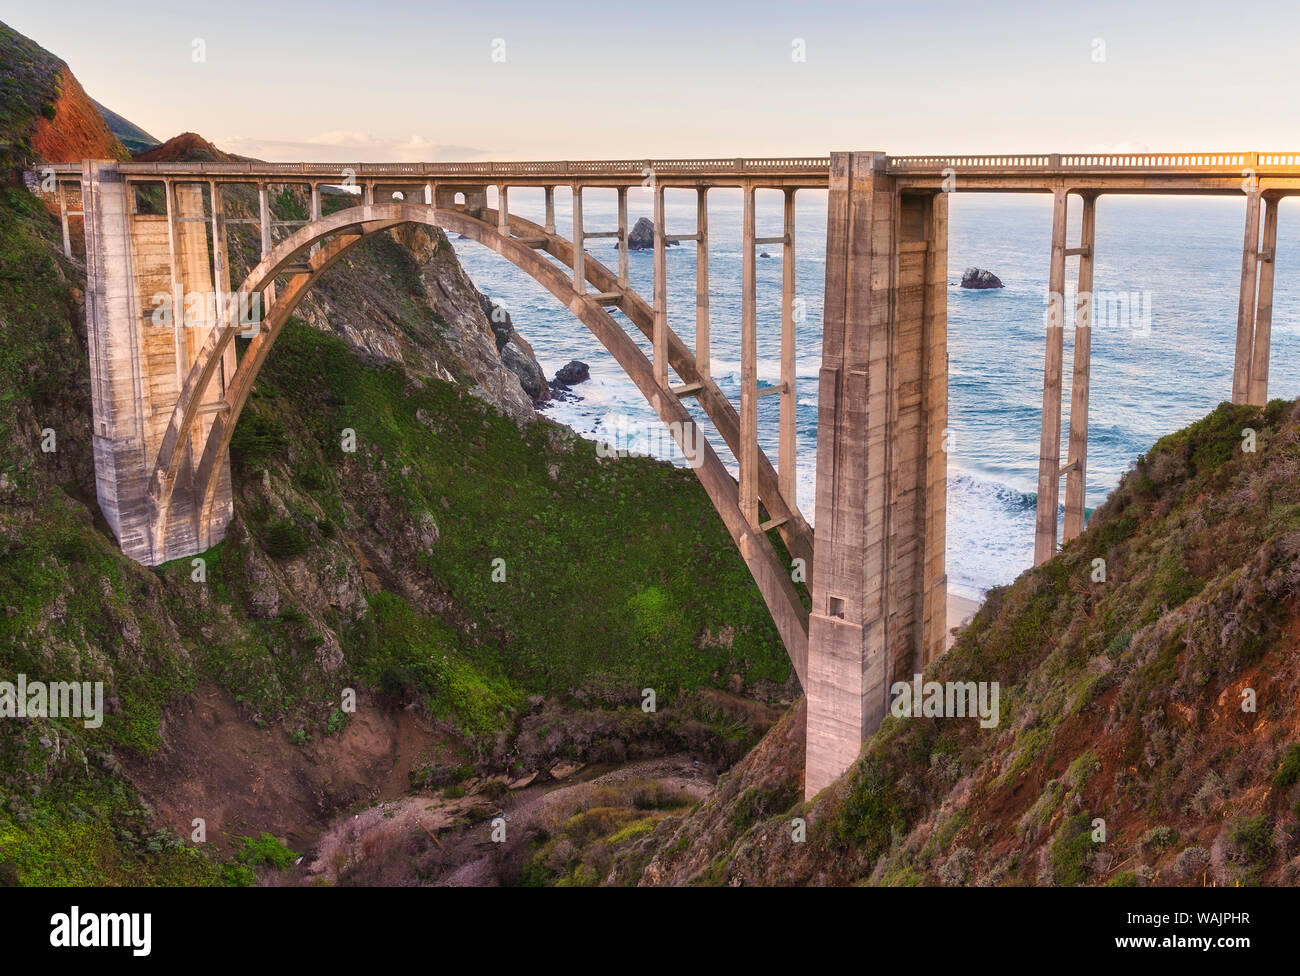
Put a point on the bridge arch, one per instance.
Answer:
(315, 247)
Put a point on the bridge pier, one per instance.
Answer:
(1076, 467)
(138, 366)
(879, 586)
(1049, 452)
(1255, 304)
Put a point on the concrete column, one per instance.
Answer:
(1049, 454)
(264, 218)
(931, 434)
(787, 459)
(748, 459)
(63, 219)
(268, 241)
(503, 211)
(315, 213)
(579, 255)
(659, 339)
(177, 282)
(113, 339)
(702, 353)
(1246, 300)
(1258, 394)
(879, 590)
(220, 269)
(550, 209)
(622, 236)
(1076, 478)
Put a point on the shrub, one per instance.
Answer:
(266, 850)
(1159, 836)
(1251, 839)
(284, 538)
(1190, 862)
(1288, 771)
(1071, 851)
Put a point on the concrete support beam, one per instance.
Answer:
(702, 280)
(1076, 481)
(315, 212)
(879, 590)
(63, 219)
(748, 454)
(550, 209)
(220, 266)
(622, 237)
(503, 210)
(1258, 390)
(1246, 300)
(1049, 454)
(264, 215)
(659, 338)
(787, 457)
(579, 255)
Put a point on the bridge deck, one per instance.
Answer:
(1111, 173)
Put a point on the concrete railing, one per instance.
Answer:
(564, 171)
(1103, 163)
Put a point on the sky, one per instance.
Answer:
(398, 80)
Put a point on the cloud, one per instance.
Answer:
(344, 146)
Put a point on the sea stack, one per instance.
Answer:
(642, 236)
(979, 278)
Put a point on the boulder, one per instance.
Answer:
(573, 372)
(979, 278)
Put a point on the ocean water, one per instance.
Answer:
(1166, 282)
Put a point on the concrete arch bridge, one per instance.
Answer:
(166, 401)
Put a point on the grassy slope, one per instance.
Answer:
(1120, 701)
(618, 574)
(28, 89)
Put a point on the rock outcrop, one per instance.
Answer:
(979, 278)
(516, 354)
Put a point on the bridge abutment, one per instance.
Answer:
(879, 586)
